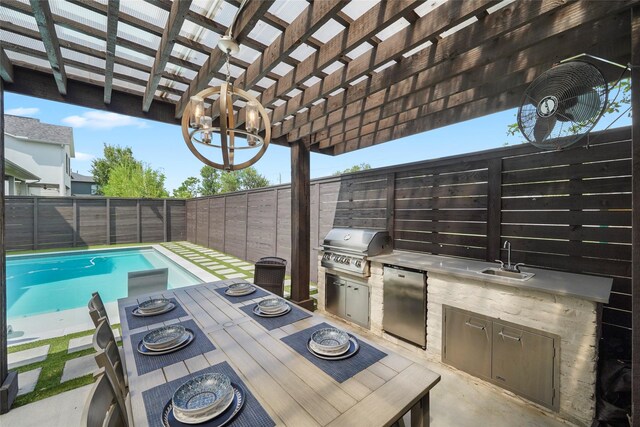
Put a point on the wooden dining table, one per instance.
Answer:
(292, 390)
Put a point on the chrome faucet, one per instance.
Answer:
(508, 267)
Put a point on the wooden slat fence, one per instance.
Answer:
(568, 210)
(63, 222)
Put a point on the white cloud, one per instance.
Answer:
(84, 157)
(22, 111)
(103, 120)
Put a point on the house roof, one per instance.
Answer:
(76, 177)
(337, 75)
(34, 130)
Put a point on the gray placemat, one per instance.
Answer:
(259, 293)
(276, 322)
(136, 322)
(339, 370)
(251, 415)
(199, 345)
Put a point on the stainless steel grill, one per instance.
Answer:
(347, 249)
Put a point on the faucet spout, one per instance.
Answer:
(507, 246)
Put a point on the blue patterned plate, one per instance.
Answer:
(353, 349)
(137, 312)
(184, 341)
(169, 420)
(203, 394)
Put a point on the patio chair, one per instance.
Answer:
(147, 281)
(103, 407)
(96, 309)
(103, 335)
(110, 360)
(269, 274)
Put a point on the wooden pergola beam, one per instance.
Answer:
(440, 19)
(40, 85)
(307, 23)
(6, 68)
(507, 35)
(424, 121)
(42, 14)
(87, 67)
(112, 34)
(430, 96)
(463, 42)
(178, 13)
(371, 22)
(245, 23)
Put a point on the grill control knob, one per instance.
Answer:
(358, 263)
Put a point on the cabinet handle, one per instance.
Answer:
(355, 289)
(503, 335)
(474, 326)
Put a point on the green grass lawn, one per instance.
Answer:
(49, 380)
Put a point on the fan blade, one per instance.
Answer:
(543, 128)
(587, 107)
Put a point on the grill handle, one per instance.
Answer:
(343, 249)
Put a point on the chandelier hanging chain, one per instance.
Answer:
(228, 53)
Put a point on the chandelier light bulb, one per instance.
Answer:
(252, 122)
(197, 111)
(206, 122)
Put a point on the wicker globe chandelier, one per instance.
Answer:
(197, 120)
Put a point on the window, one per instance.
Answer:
(94, 189)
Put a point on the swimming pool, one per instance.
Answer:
(48, 283)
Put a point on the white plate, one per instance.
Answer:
(257, 312)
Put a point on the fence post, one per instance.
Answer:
(224, 224)
(35, 223)
(164, 219)
(391, 204)
(494, 208)
(75, 223)
(108, 208)
(275, 225)
(139, 222)
(246, 226)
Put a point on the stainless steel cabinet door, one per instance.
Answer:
(523, 362)
(357, 309)
(336, 295)
(467, 342)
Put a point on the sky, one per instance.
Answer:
(161, 145)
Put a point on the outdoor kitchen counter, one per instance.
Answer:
(592, 288)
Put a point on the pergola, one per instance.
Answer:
(335, 76)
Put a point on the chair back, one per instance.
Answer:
(103, 335)
(96, 309)
(148, 281)
(109, 359)
(269, 274)
(102, 407)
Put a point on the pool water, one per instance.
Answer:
(46, 283)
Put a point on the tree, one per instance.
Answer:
(244, 179)
(210, 183)
(188, 189)
(250, 178)
(354, 168)
(135, 179)
(113, 155)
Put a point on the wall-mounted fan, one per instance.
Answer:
(565, 101)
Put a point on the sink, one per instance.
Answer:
(496, 271)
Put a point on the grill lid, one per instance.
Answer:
(357, 240)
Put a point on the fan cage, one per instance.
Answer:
(581, 92)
